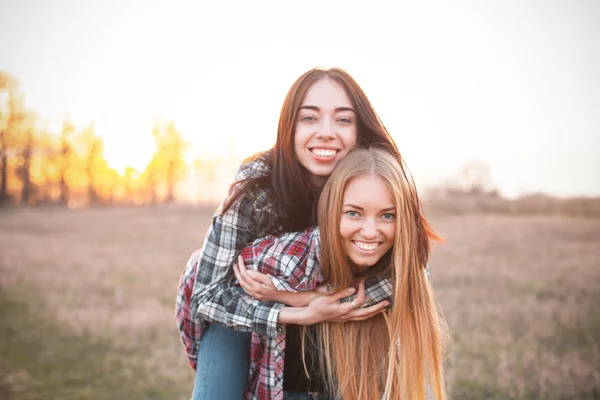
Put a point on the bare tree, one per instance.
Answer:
(65, 159)
(167, 163)
(24, 171)
(475, 177)
(12, 114)
(94, 163)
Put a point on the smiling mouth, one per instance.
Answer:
(365, 246)
(324, 153)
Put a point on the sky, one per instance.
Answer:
(513, 83)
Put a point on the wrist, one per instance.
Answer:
(302, 299)
(296, 315)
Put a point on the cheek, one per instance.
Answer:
(390, 234)
(351, 138)
(345, 229)
(298, 141)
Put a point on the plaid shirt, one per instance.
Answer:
(292, 262)
(206, 283)
(205, 292)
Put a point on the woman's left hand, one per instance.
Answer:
(254, 283)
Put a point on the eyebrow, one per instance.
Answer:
(360, 208)
(337, 109)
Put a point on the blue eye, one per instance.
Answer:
(389, 216)
(352, 213)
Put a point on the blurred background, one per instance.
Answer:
(123, 123)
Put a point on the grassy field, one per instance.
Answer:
(87, 303)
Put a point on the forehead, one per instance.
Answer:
(368, 191)
(326, 93)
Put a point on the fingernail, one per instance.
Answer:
(250, 272)
(351, 290)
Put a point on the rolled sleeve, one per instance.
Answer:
(291, 260)
(266, 316)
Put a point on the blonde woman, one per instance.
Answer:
(370, 227)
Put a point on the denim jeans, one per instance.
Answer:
(222, 364)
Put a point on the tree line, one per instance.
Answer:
(69, 168)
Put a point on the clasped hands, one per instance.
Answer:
(312, 306)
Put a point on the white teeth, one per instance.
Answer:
(366, 246)
(324, 152)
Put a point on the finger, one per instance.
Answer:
(367, 312)
(361, 296)
(244, 271)
(253, 285)
(236, 272)
(323, 289)
(261, 278)
(243, 280)
(241, 264)
(340, 294)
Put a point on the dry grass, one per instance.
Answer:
(519, 294)
(87, 303)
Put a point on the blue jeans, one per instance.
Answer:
(222, 364)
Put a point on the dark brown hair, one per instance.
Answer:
(294, 196)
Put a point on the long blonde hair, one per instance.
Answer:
(397, 354)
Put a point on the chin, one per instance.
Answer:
(363, 263)
(321, 172)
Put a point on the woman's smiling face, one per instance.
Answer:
(325, 129)
(368, 220)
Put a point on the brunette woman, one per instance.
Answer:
(325, 115)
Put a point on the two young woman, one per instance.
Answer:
(369, 228)
(324, 116)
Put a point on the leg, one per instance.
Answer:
(222, 364)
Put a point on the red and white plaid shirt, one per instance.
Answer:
(207, 294)
(292, 262)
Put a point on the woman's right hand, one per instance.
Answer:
(330, 308)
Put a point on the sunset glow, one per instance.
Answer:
(511, 84)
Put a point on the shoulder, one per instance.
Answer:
(257, 167)
(255, 204)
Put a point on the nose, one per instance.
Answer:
(325, 130)
(369, 229)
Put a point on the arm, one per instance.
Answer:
(331, 308)
(284, 269)
(214, 297)
(292, 262)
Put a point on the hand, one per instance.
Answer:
(256, 284)
(329, 307)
